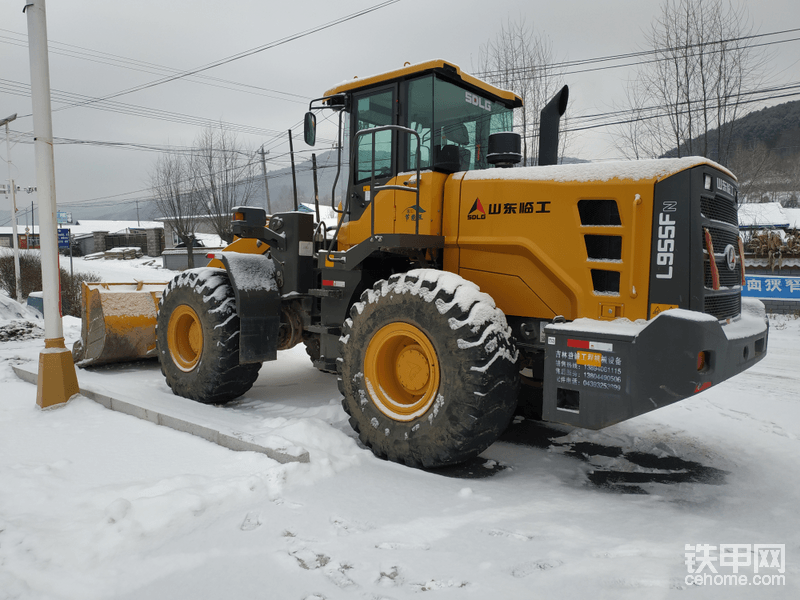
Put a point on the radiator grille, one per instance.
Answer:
(723, 306)
(719, 209)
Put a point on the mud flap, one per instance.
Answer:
(601, 373)
(258, 304)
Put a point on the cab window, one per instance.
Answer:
(374, 110)
(454, 124)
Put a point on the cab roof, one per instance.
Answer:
(448, 70)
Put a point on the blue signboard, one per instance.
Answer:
(63, 238)
(772, 286)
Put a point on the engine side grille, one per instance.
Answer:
(719, 209)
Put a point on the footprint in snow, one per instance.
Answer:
(337, 574)
(402, 546)
(528, 568)
(438, 585)
(391, 577)
(308, 559)
(252, 520)
(514, 535)
(344, 527)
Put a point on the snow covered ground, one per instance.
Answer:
(96, 504)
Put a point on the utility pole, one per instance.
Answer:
(264, 171)
(57, 381)
(316, 187)
(13, 190)
(294, 175)
(138, 222)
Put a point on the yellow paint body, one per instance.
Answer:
(389, 76)
(520, 237)
(244, 245)
(402, 368)
(394, 212)
(57, 381)
(118, 322)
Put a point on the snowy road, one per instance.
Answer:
(95, 504)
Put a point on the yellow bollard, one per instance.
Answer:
(57, 381)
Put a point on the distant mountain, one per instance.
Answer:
(777, 127)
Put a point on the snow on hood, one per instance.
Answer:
(634, 170)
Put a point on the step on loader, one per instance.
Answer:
(460, 287)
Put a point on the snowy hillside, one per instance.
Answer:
(95, 504)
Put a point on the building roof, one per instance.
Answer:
(766, 214)
(87, 227)
(794, 217)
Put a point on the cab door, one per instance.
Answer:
(373, 108)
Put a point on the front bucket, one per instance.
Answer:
(118, 322)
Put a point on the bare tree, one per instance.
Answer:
(521, 60)
(692, 92)
(766, 175)
(753, 167)
(176, 198)
(223, 175)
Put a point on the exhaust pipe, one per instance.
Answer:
(548, 127)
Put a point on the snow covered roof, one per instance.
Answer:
(20, 229)
(90, 226)
(86, 226)
(634, 170)
(793, 214)
(766, 214)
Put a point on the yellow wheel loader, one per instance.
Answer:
(459, 286)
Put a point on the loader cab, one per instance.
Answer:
(452, 113)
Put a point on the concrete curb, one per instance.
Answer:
(219, 434)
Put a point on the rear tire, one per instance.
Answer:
(197, 337)
(427, 369)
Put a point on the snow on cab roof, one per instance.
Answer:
(634, 170)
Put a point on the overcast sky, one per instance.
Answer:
(267, 93)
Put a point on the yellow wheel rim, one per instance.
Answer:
(185, 337)
(402, 371)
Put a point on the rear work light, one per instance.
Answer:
(702, 361)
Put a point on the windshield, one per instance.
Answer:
(445, 114)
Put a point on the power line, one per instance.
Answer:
(115, 60)
(629, 55)
(23, 89)
(229, 59)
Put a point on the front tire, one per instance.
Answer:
(197, 336)
(427, 369)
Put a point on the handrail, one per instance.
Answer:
(373, 189)
(637, 201)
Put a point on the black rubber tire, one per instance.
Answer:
(218, 377)
(478, 375)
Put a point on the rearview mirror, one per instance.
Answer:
(310, 128)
